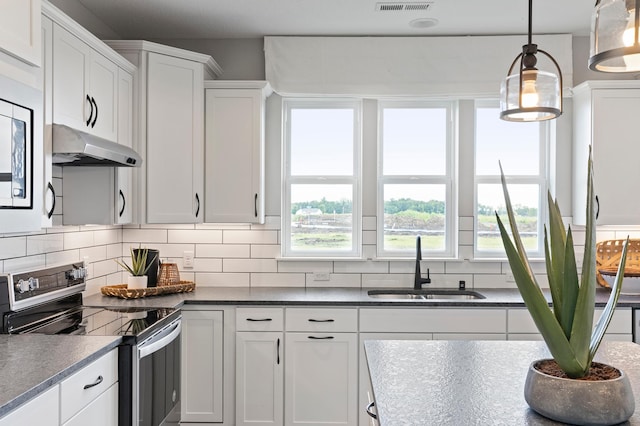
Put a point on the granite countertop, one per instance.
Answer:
(33, 363)
(330, 296)
(469, 382)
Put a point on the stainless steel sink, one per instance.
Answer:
(426, 294)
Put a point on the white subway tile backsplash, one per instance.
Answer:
(366, 266)
(277, 280)
(465, 238)
(265, 251)
(45, 243)
(114, 251)
(222, 279)
(144, 236)
(473, 267)
(13, 247)
(336, 280)
(166, 250)
(200, 236)
(203, 265)
(104, 267)
(223, 226)
(63, 257)
(18, 264)
(249, 265)
(305, 266)
(492, 281)
(223, 250)
(387, 280)
(76, 240)
(93, 254)
(107, 236)
(250, 237)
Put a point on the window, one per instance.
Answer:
(415, 178)
(321, 196)
(522, 149)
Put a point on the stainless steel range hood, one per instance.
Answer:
(72, 147)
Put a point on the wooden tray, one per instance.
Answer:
(121, 290)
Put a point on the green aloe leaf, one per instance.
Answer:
(554, 256)
(570, 288)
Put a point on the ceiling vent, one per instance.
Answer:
(403, 6)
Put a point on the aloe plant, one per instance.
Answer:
(566, 326)
(139, 264)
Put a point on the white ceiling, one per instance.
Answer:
(207, 19)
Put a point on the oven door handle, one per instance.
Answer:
(168, 336)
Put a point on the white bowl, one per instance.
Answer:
(630, 285)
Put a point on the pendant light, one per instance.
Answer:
(614, 36)
(530, 94)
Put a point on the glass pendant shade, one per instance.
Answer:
(529, 93)
(537, 98)
(614, 36)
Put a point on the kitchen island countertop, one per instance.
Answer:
(32, 363)
(469, 382)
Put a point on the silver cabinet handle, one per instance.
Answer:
(96, 383)
(371, 413)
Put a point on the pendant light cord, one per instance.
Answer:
(530, 19)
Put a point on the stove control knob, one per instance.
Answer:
(34, 283)
(22, 286)
(75, 274)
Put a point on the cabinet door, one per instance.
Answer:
(43, 410)
(234, 155)
(20, 30)
(48, 202)
(124, 175)
(102, 411)
(71, 57)
(321, 378)
(103, 91)
(202, 374)
(259, 378)
(175, 140)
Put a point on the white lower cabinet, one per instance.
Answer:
(321, 366)
(102, 411)
(202, 366)
(43, 410)
(520, 326)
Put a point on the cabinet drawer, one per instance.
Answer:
(98, 376)
(433, 320)
(520, 321)
(259, 319)
(322, 320)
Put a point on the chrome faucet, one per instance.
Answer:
(418, 280)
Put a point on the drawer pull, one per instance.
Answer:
(320, 338)
(278, 351)
(259, 319)
(371, 413)
(96, 383)
(324, 320)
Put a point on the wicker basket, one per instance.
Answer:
(608, 258)
(121, 290)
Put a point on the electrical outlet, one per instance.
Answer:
(187, 259)
(324, 276)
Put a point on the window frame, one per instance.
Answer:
(542, 179)
(447, 179)
(355, 179)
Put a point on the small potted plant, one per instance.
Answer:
(574, 394)
(139, 267)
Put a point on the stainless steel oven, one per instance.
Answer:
(49, 301)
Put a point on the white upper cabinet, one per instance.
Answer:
(84, 86)
(124, 175)
(234, 150)
(604, 114)
(20, 30)
(169, 130)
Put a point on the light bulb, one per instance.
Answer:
(530, 96)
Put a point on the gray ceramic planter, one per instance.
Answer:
(579, 402)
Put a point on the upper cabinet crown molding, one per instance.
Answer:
(64, 21)
(211, 67)
(262, 85)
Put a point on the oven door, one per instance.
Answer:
(159, 376)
